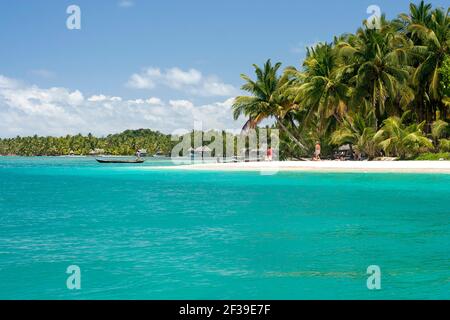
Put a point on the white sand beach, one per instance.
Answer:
(324, 166)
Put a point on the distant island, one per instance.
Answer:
(125, 143)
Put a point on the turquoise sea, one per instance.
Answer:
(160, 234)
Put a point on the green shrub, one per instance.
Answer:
(433, 156)
(444, 145)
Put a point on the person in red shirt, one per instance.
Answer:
(269, 154)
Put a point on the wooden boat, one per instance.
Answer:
(120, 161)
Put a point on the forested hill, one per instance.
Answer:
(125, 143)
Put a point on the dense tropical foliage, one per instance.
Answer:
(125, 143)
(385, 91)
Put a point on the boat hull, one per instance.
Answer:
(120, 161)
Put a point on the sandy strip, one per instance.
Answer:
(322, 166)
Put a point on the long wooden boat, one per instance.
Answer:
(120, 161)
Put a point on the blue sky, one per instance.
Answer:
(189, 52)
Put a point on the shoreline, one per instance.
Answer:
(442, 167)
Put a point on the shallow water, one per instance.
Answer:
(160, 234)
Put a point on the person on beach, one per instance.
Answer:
(269, 155)
(138, 154)
(317, 152)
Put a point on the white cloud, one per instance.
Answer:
(214, 87)
(137, 101)
(138, 81)
(125, 3)
(181, 104)
(177, 78)
(97, 98)
(7, 82)
(154, 101)
(27, 110)
(191, 81)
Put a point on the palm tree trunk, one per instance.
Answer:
(375, 111)
(297, 142)
(443, 110)
(428, 119)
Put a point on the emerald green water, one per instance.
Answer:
(160, 234)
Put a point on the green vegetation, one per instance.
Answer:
(125, 143)
(433, 156)
(445, 81)
(397, 138)
(384, 91)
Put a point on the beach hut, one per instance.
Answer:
(345, 147)
(143, 152)
(345, 152)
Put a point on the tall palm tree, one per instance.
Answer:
(433, 48)
(321, 87)
(445, 81)
(418, 14)
(269, 98)
(378, 60)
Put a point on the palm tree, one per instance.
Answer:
(320, 88)
(358, 130)
(399, 139)
(378, 60)
(439, 130)
(430, 31)
(418, 14)
(445, 81)
(269, 99)
(444, 145)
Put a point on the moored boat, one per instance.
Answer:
(120, 160)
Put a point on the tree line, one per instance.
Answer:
(125, 143)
